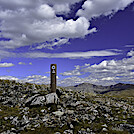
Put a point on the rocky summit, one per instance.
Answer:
(31, 109)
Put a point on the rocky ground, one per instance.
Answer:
(31, 109)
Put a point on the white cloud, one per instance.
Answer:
(129, 45)
(108, 78)
(27, 22)
(95, 8)
(62, 8)
(39, 79)
(58, 43)
(46, 12)
(71, 55)
(37, 23)
(71, 73)
(22, 63)
(8, 78)
(6, 64)
(62, 1)
(131, 53)
(5, 53)
(105, 73)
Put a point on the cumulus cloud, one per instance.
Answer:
(62, 8)
(131, 53)
(107, 72)
(8, 78)
(96, 8)
(75, 72)
(6, 64)
(72, 55)
(38, 79)
(22, 63)
(26, 23)
(5, 53)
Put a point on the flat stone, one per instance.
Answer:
(70, 111)
(104, 125)
(38, 100)
(57, 133)
(68, 132)
(51, 98)
(104, 129)
(58, 113)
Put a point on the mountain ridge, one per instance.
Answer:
(88, 87)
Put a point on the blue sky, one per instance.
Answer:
(89, 40)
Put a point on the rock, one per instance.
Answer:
(5, 118)
(71, 126)
(128, 127)
(69, 111)
(51, 98)
(29, 100)
(92, 117)
(45, 119)
(15, 121)
(11, 117)
(27, 110)
(88, 130)
(104, 129)
(25, 120)
(57, 133)
(7, 132)
(104, 125)
(58, 113)
(44, 111)
(37, 125)
(39, 100)
(68, 132)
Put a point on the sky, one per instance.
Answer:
(91, 41)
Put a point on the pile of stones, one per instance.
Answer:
(29, 108)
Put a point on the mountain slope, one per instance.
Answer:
(87, 87)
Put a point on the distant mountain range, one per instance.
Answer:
(87, 87)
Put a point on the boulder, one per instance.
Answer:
(58, 113)
(38, 101)
(51, 98)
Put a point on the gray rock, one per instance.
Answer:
(129, 127)
(104, 129)
(104, 125)
(40, 100)
(29, 100)
(57, 133)
(25, 119)
(15, 121)
(58, 113)
(92, 117)
(45, 119)
(51, 98)
(68, 131)
(5, 118)
(69, 111)
(71, 126)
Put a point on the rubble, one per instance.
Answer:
(27, 108)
